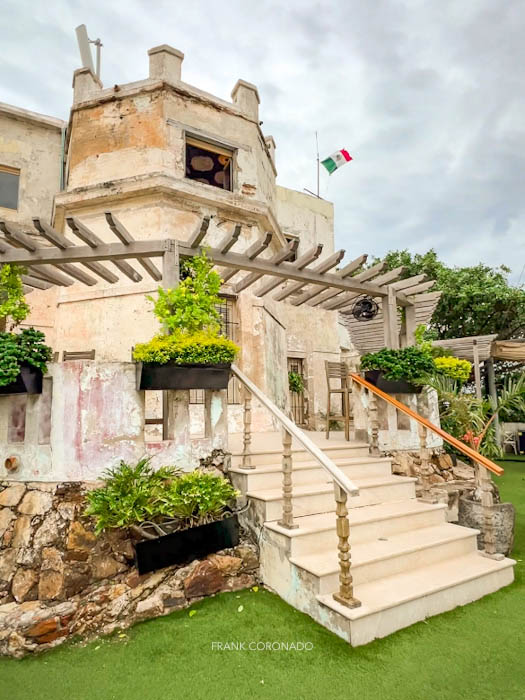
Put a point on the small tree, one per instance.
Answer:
(13, 304)
(191, 306)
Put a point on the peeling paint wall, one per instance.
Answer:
(89, 416)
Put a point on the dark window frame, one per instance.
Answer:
(15, 172)
(214, 149)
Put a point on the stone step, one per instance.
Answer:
(381, 558)
(299, 454)
(316, 533)
(398, 601)
(319, 498)
(269, 476)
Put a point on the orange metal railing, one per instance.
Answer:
(461, 446)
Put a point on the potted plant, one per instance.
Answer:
(176, 516)
(189, 353)
(23, 356)
(396, 371)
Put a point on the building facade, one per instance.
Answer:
(161, 154)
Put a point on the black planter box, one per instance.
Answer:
(171, 376)
(184, 546)
(29, 381)
(375, 377)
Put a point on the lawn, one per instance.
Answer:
(472, 652)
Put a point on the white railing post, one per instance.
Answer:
(373, 422)
(487, 503)
(287, 519)
(345, 595)
(247, 430)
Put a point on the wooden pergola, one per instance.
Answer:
(52, 259)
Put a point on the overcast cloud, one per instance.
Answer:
(427, 96)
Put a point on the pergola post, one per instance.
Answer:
(489, 368)
(174, 402)
(410, 324)
(477, 374)
(390, 320)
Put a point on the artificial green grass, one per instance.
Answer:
(474, 652)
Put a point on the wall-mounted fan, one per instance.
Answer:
(364, 309)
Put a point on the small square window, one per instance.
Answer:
(9, 178)
(289, 239)
(209, 164)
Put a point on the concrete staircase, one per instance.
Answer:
(408, 563)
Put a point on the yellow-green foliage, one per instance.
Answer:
(203, 347)
(453, 367)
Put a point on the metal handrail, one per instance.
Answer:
(461, 446)
(337, 475)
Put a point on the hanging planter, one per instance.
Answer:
(391, 386)
(183, 546)
(186, 376)
(190, 353)
(28, 381)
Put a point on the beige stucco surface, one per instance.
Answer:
(31, 143)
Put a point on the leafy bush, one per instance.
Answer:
(409, 364)
(12, 299)
(198, 348)
(295, 382)
(454, 367)
(191, 306)
(27, 347)
(129, 495)
(196, 498)
(134, 494)
(190, 320)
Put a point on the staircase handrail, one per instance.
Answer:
(337, 475)
(461, 446)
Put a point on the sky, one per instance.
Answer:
(426, 95)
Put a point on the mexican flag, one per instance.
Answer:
(336, 160)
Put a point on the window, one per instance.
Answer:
(229, 327)
(209, 164)
(9, 178)
(289, 239)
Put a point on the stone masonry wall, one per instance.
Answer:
(58, 579)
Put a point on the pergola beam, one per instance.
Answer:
(319, 269)
(230, 239)
(284, 254)
(125, 237)
(253, 252)
(92, 240)
(200, 233)
(302, 261)
(60, 241)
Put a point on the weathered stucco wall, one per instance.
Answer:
(88, 417)
(308, 218)
(396, 430)
(32, 143)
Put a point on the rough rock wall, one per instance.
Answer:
(48, 550)
(57, 579)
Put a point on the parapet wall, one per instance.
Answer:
(88, 417)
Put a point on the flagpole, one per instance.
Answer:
(317, 148)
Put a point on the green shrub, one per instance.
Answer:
(453, 367)
(12, 300)
(198, 348)
(196, 498)
(191, 306)
(129, 495)
(295, 382)
(27, 347)
(134, 494)
(409, 364)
